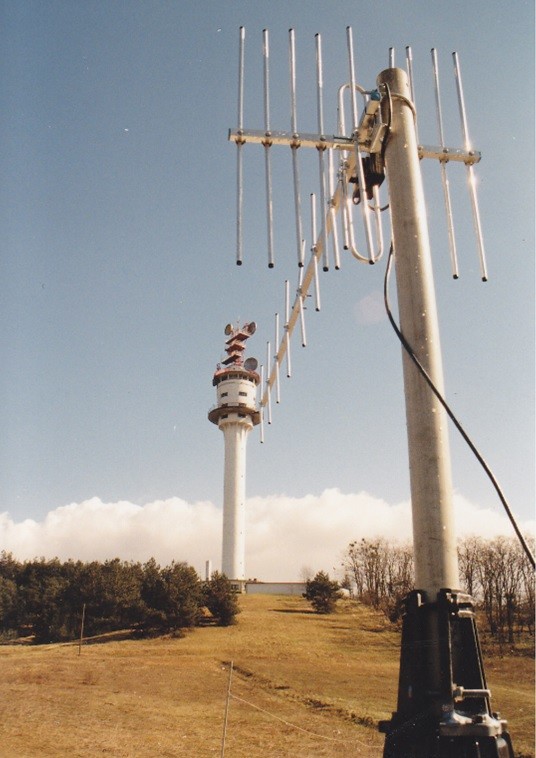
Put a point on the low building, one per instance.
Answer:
(274, 588)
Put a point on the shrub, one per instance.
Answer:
(183, 596)
(221, 599)
(322, 593)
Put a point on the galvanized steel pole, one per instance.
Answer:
(434, 539)
(440, 654)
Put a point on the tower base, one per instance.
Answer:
(443, 703)
(238, 586)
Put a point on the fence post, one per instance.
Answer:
(226, 711)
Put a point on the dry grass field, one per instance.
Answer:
(303, 685)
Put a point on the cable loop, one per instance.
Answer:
(407, 101)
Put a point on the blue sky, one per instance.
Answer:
(117, 209)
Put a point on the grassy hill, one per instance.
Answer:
(302, 685)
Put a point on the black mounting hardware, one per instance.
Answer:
(374, 171)
(443, 704)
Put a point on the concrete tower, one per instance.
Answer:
(236, 414)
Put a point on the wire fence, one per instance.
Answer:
(231, 696)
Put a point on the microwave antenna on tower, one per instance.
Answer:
(444, 705)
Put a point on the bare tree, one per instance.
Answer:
(496, 573)
(468, 557)
(382, 573)
(527, 610)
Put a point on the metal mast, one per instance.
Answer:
(434, 541)
(443, 702)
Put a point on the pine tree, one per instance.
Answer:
(220, 599)
(322, 593)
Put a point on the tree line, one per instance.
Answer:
(45, 598)
(496, 573)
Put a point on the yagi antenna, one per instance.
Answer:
(447, 684)
(351, 170)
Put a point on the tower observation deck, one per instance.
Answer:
(235, 413)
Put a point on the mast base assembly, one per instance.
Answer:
(443, 704)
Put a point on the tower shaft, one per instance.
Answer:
(234, 498)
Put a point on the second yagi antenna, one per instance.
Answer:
(351, 162)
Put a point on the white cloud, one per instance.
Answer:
(284, 534)
(92, 530)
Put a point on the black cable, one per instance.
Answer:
(389, 121)
(409, 350)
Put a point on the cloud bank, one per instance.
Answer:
(284, 534)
